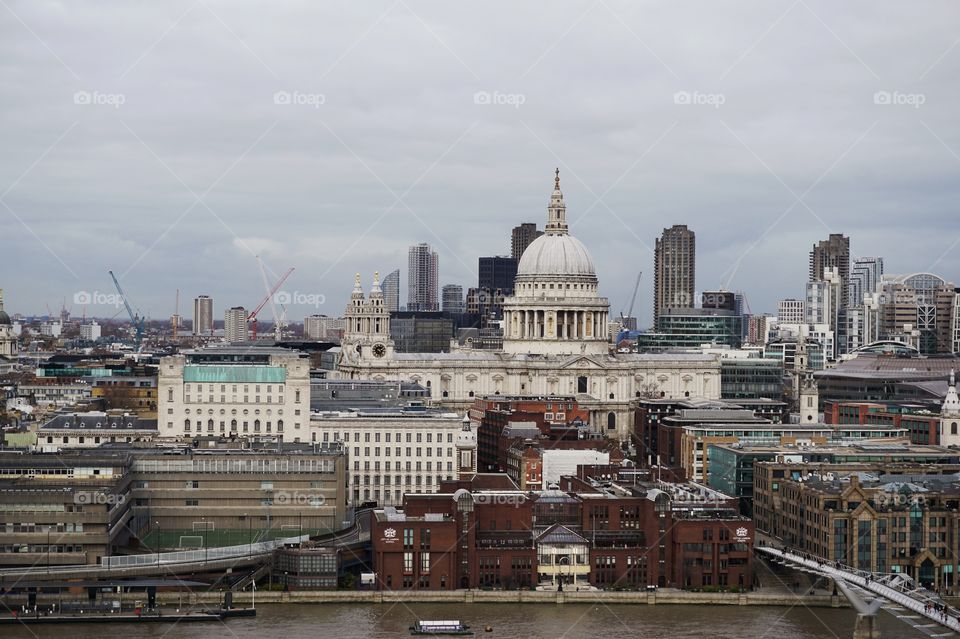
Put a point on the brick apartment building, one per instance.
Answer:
(557, 417)
(487, 533)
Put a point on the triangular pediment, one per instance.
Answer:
(584, 362)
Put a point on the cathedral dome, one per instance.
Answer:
(556, 255)
(4, 318)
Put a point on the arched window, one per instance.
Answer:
(186, 425)
(210, 425)
(233, 425)
(256, 425)
(953, 428)
(279, 425)
(611, 421)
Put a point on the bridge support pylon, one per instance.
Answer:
(866, 627)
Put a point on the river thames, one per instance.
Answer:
(348, 621)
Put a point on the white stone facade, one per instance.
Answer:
(243, 399)
(393, 454)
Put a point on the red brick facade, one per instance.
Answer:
(472, 537)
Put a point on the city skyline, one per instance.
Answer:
(724, 132)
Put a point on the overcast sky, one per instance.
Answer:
(173, 141)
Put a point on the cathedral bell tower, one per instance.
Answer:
(367, 332)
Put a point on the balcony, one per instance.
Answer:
(514, 540)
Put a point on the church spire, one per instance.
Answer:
(556, 210)
(951, 403)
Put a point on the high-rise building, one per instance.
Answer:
(203, 315)
(453, 299)
(422, 267)
(825, 306)
(674, 269)
(497, 273)
(865, 276)
(833, 252)
(521, 237)
(758, 329)
(323, 328)
(955, 322)
(917, 310)
(391, 291)
(90, 332)
(791, 311)
(235, 324)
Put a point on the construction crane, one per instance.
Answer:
(633, 299)
(252, 317)
(135, 319)
(624, 331)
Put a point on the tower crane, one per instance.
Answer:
(135, 319)
(252, 317)
(633, 298)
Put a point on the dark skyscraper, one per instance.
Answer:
(453, 299)
(521, 237)
(832, 252)
(497, 273)
(674, 269)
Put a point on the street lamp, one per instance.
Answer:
(159, 541)
(203, 520)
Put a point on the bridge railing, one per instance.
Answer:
(866, 581)
(165, 558)
(202, 555)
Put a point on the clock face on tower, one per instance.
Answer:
(379, 350)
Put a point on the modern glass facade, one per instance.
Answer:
(751, 378)
(692, 327)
